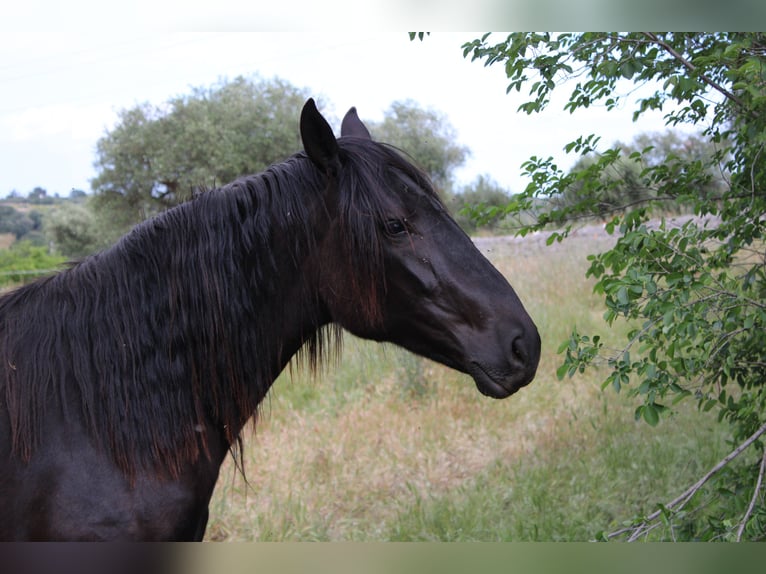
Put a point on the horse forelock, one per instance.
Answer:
(372, 191)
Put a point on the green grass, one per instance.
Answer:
(569, 492)
(387, 446)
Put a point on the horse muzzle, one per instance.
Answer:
(500, 378)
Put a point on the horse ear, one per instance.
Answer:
(318, 140)
(353, 126)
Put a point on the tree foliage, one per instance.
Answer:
(479, 205)
(157, 156)
(623, 186)
(75, 231)
(693, 296)
(18, 223)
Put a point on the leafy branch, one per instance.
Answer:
(692, 68)
(666, 511)
(690, 296)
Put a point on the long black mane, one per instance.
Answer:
(177, 324)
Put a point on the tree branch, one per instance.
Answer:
(679, 502)
(692, 68)
(756, 491)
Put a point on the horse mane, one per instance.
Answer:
(177, 324)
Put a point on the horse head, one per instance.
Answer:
(407, 273)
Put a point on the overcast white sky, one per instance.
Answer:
(60, 92)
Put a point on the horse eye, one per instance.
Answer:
(395, 226)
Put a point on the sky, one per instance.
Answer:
(60, 93)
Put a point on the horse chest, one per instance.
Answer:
(70, 491)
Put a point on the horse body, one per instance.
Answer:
(126, 380)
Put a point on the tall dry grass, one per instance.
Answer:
(386, 446)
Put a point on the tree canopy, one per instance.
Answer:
(691, 295)
(159, 155)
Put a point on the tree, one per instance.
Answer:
(622, 184)
(692, 295)
(77, 195)
(427, 136)
(37, 195)
(480, 201)
(13, 221)
(157, 156)
(75, 231)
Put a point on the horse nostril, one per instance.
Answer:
(519, 350)
(525, 349)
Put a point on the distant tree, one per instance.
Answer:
(16, 222)
(77, 195)
(427, 136)
(74, 230)
(37, 219)
(39, 195)
(624, 185)
(156, 156)
(482, 201)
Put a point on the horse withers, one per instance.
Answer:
(127, 378)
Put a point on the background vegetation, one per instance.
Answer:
(690, 294)
(656, 290)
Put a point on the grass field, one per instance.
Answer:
(388, 446)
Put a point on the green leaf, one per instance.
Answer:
(622, 296)
(564, 346)
(651, 415)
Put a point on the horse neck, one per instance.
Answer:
(258, 280)
(163, 346)
(214, 299)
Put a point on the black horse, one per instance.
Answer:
(126, 379)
